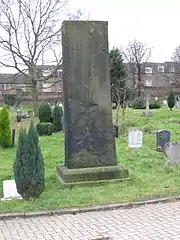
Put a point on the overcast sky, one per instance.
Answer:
(154, 22)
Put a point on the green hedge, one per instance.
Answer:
(45, 129)
(45, 113)
(140, 103)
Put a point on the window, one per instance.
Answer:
(4, 86)
(160, 69)
(148, 81)
(46, 87)
(172, 69)
(46, 73)
(148, 70)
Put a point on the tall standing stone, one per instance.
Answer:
(89, 138)
(147, 112)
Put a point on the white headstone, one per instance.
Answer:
(135, 138)
(10, 190)
(165, 103)
(178, 104)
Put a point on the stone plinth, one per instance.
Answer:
(89, 135)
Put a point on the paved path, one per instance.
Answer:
(161, 221)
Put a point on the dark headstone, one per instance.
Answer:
(19, 115)
(162, 137)
(89, 135)
(13, 137)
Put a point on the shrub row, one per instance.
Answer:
(50, 121)
(140, 103)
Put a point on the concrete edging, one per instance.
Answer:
(96, 208)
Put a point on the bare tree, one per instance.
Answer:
(176, 54)
(31, 34)
(136, 54)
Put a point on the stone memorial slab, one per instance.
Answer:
(147, 112)
(172, 152)
(10, 190)
(165, 103)
(90, 153)
(162, 137)
(135, 138)
(178, 104)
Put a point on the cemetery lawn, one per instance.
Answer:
(150, 177)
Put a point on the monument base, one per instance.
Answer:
(85, 176)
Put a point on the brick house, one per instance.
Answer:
(18, 84)
(158, 79)
(161, 78)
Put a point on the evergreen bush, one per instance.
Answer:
(155, 105)
(171, 100)
(139, 103)
(45, 113)
(5, 129)
(57, 116)
(9, 99)
(45, 129)
(29, 165)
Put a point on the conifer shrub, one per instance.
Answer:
(171, 100)
(29, 165)
(57, 116)
(45, 113)
(5, 129)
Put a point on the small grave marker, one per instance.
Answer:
(10, 190)
(135, 138)
(162, 137)
(172, 152)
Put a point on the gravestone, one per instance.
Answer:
(135, 138)
(147, 112)
(165, 103)
(10, 190)
(19, 115)
(162, 137)
(177, 102)
(172, 152)
(13, 137)
(90, 153)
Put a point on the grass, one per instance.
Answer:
(150, 177)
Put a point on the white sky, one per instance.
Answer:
(154, 22)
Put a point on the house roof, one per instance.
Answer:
(13, 78)
(6, 78)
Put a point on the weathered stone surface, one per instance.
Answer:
(89, 136)
(91, 174)
(162, 137)
(172, 152)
